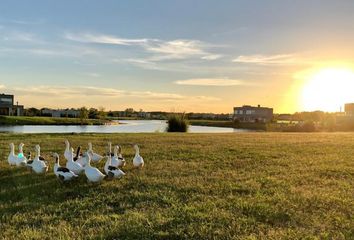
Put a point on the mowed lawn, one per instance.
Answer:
(194, 186)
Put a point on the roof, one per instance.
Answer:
(6, 95)
(253, 107)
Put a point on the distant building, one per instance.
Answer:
(349, 109)
(142, 114)
(71, 113)
(209, 116)
(284, 117)
(7, 106)
(248, 113)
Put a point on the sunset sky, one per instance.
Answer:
(201, 56)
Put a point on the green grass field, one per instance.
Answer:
(194, 186)
(231, 124)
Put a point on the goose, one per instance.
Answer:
(116, 160)
(121, 160)
(62, 173)
(138, 160)
(67, 152)
(37, 165)
(77, 168)
(109, 152)
(21, 159)
(112, 171)
(93, 174)
(94, 156)
(79, 158)
(12, 158)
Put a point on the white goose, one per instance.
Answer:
(112, 171)
(21, 159)
(94, 156)
(77, 168)
(12, 158)
(37, 165)
(115, 161)
(109, 152)
(121, 160)
(79, 158)
(63, 173)
(67, 152)
(138, 160)
(93, 174)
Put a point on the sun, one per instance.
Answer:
(328, 90)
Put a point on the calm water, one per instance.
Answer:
(129, 126)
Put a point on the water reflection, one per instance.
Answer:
(127, 126)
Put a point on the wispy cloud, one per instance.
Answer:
(176, 49)
(215, 82)
(51, 51)
(267, 59)
(142, 63)
(25, 22)
(104, 39)
(19, 36)
(212, 57)
(160, 49)
(75, 92)
(91, 74)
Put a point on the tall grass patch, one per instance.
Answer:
(177, 123)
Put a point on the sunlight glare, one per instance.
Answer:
(328, 90)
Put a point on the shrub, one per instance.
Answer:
(308, 126)
(177, 123)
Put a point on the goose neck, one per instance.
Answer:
(20, 148)
(12, 149)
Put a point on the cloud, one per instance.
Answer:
(160, 49)
(176, 49)
(91, 74)
(211, 57)
(20, 37)
(52, 51)
(88, 92)
(68, 92)
(215, 82)
(104, 39)
(2, 86)
(142, 63)
(25, 22)
(267, 59)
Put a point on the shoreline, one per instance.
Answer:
(39, 121)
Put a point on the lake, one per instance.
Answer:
(127, 126)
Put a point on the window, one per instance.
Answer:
(6, 100)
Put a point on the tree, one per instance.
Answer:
(93, 113)
(32, 112)
(102, 113)
(84, 114)
(129, 112)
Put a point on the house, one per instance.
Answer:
(7, 106)
(248, 113)
(349, 109)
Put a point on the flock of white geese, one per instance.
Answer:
(76, 164)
